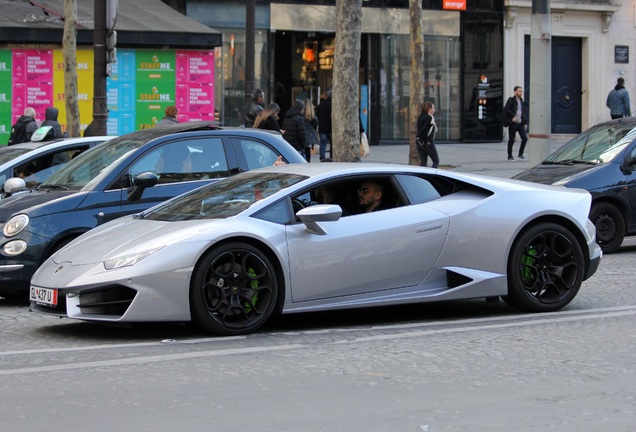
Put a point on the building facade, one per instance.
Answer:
(294, 59)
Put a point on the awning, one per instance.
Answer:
(140, 24)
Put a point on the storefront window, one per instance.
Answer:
(229, 92)
(441, 85)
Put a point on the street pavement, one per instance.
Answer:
(479, 158)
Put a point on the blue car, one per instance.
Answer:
(601, 160)
(125, 175)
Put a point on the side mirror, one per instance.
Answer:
(141, 182)
(310, 216)
(13, 185)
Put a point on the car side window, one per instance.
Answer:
(418, 189)
(184, 160)
(256, 153)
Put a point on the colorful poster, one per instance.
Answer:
(141, 85)
(5, 96)
(85, 80)
(195, 85)
(155, 86)
(32, 82)
(120, 90)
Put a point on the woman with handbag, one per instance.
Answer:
(426, 130)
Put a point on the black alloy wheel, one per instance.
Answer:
(233, 291)
(545, 268)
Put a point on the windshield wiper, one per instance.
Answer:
(54, 186)
(569, 162)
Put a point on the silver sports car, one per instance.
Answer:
(325, 236)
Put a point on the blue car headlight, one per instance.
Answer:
(15, 225)
(128, 260)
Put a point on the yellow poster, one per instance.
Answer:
(85, 76)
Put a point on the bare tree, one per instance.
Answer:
(69, 52)
(345, 113)
(416, 75)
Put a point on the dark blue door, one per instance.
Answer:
(566, 83)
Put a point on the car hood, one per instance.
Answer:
(32, 203)
(549, 174)
(129, 236)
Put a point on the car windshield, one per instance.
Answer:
(224, 198)
(77, 173)
(599, 144)
(9, 153)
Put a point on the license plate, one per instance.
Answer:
(44, 296)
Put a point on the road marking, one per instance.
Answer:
(528, 320)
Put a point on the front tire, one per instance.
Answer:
(610, 226)
(545, 269)
(233, 291)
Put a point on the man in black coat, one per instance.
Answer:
(294, 127)
(254, 107)
(323, 112)
(516, 115)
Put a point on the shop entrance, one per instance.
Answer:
(303, 66)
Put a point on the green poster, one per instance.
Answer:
(5, 96)
(155, 86)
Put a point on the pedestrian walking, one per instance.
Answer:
(311, 128)
(516, 117)
(170, 117)
(50, 119)
(426, 130)
(23, 129)
(294, 130)
(254, 107)
(323, 112)
(618, 100)
(268, 118)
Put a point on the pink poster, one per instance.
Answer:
(195, 85)
(32, 72)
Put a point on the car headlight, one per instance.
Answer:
(15, 225)
(129, 260)
(14, 247)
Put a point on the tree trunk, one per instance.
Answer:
(345, 113)
(69, 52)
(416, 75)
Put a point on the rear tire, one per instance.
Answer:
(610, 226)
(545, 268)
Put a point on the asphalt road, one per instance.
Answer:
(455, 366)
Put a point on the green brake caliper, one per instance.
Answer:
(528, 261)
(253, 284)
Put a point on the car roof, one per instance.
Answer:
(31, 149)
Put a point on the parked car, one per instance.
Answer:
(601, 160)
(125, 175)
(36, 161)
(228, 255)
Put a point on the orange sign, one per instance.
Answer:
(454, 5)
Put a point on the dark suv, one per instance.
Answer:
(125, 175)
(601, 160)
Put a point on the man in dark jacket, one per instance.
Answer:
(51, 120)
(323, 112)
(516, 113)
(24, 127)
(294, 127)
(254, 107)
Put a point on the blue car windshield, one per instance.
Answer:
(599, 144)
(77, 173)
(7, 154)
(225, 198)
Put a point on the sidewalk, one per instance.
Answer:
(479, 158)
